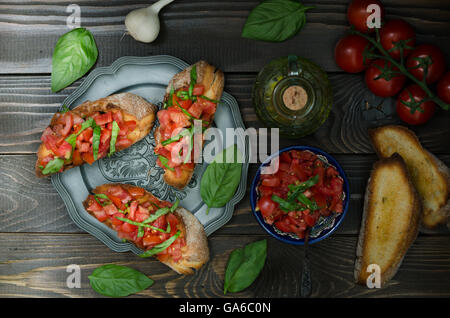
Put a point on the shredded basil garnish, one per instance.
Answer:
(193, 79)
(96, 140)
(161, 247)
(165, 162)
(114, 133)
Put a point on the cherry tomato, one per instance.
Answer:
(443, 88)
(395, 31)
(381, 86)
(415, 116)
(437, 60)
(348, 53)
(357, 13)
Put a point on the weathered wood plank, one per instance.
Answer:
(30, 204)
(27, 105)
(210, 30)
(35, 265)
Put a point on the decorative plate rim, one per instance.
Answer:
(95, 230)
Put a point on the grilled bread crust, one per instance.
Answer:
(390, 221)
(430, 176)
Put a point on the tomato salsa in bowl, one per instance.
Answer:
(308, 190)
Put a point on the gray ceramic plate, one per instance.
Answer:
(146, 77)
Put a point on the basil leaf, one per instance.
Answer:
(53, 166)
(74, 55)
(96, 140)
(275, 20)
(193, 79)
(114, 133)
(244, 266)
(221, 179)
(165, 162)
(160, 247)
(118, 281)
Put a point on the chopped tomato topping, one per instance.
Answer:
(292, 215)
(137, 211)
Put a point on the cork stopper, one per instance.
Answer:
(295, 97)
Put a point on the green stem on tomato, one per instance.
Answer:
(402, 68)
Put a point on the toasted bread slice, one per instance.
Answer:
(134, 108)
(194, 254)
(430, 176)
(213, 80)
(390, 221)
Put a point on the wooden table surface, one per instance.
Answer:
(38, 240)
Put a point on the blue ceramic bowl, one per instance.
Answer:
(325, 226)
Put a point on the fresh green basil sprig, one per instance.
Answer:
(244, 266)
(296, 200)
(118, 281)
(74, 55)
(53, 166)
(221, 178)
(275, 20)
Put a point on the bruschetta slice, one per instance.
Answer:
(167, 231)
(192, 95)
(93, 130)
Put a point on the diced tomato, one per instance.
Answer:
(198, 90)
(101, 215)
(105, 136)
(141, 214)
(121, 193)
(115, 221)
(94, 206)
(65, 150)
(83, 146)
(118, 117)
(88, 157)
(76, 158)
(127, 227)
(150, 240)
(185, 103)
(196, 110)
(136, 192)
(309, 218)
(123, 142)
(285, 157)
(68, 123)
(103, 119)
(77, 120)
(131, 125)
(179, 118)
(110, 209)
(86, 134)
(271, 181)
